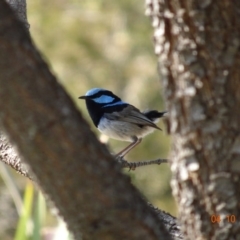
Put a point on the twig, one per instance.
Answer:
(9, 156)
(134, 165)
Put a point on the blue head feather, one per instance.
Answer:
(100, 101)
(93, 91)
(103, 99)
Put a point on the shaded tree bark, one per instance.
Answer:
(197, 43)
(19, 8)
(78, 174)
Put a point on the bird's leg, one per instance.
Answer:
(135, 142)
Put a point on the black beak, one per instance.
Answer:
(83, 97)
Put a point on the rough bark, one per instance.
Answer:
(197, 43)
(19, 8)
(72, 167)
(9, 156)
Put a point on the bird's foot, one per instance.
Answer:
(118, 157)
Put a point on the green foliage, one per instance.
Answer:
(24, 220)
(39, 216)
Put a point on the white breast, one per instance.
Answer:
(122, 130)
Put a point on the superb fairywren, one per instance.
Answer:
(118, 119)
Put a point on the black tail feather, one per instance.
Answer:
(153, 114)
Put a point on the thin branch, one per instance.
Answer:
(9, 156)
(134, 165)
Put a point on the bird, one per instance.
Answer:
(118, 119)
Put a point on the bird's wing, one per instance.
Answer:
(132, 115)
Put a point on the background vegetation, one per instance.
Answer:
(109, 45)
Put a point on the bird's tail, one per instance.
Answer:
(154, 115)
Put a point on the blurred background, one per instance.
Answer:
(88, 44)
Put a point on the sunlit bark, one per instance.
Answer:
(197, 43)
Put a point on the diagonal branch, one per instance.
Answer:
(9, 156)
(56, 142)
(19, 8)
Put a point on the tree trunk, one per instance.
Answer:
(197, 43)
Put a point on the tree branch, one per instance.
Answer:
(52, 137)
(9, 156)
(169, 222)
(19, 8)
(134, 165)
